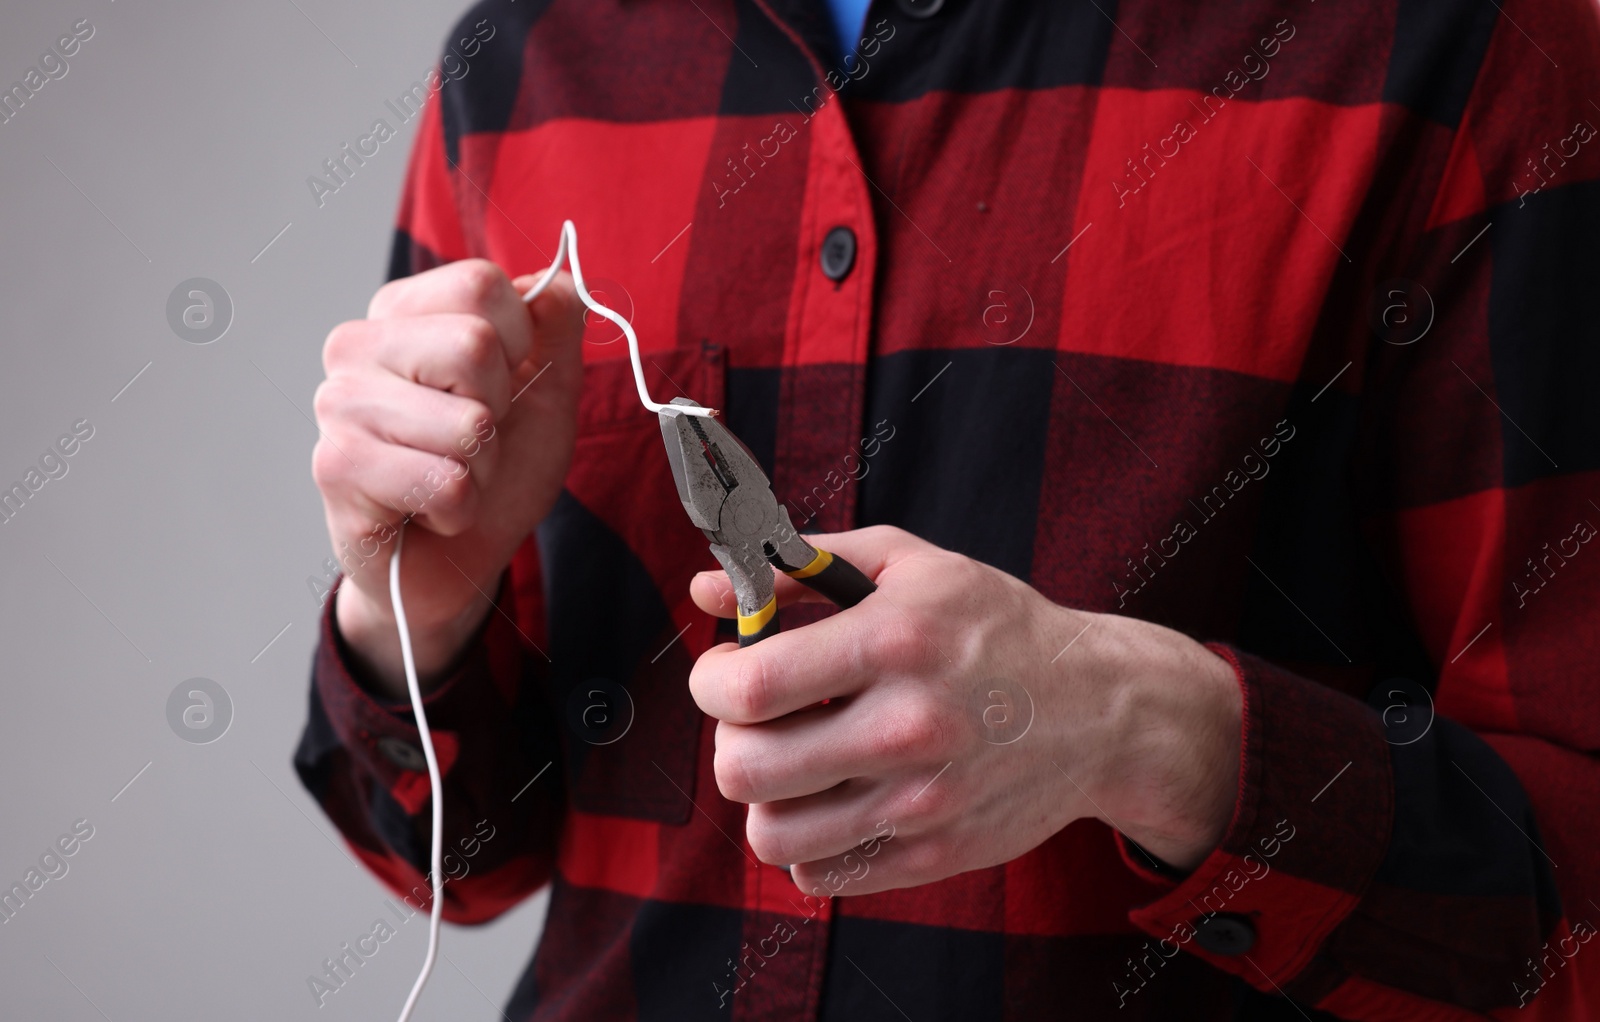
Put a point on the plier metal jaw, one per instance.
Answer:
(730, 499)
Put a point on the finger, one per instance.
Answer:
(456, 352)
(406, 414)
(474, 286)
(817, 827)
(872, 550)
(828, 659)
(791, 757)
(712, 592)
(881, 864)
(386, 482)
(818, 748)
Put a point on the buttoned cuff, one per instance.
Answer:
(1309, 829)
(380, 735)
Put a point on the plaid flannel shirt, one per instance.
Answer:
(1272, 322)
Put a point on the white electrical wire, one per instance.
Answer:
(567, 249)
(436, 850)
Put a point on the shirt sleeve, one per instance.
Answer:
(361, 758)
(1430, 853)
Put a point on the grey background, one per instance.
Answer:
(212, 886)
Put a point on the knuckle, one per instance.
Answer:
(926, 805)
(473, 416)
(732, 771)
(327, 466)
(748, 694)
(923, 859)
(453, 487)
(389, 297)
(381, 300)
(330, 400)
(477, 344)
(766, 839)
(704, 683)
(900, 643)
(323, 401)
(477, 281)
(911, 733)
(342, 342)
(928, 799)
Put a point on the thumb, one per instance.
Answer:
(557, 319)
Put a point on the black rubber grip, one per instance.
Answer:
(768, 630)
(841, 582)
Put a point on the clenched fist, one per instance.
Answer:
(453, 404)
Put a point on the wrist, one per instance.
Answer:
(1173, 780)
(371, 638)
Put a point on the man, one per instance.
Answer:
(1208, 388)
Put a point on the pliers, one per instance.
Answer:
(728, 496)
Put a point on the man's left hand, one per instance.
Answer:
(961, 712)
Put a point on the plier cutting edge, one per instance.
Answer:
(728, 496)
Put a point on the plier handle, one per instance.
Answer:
(730, 499)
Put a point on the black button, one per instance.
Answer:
(1225, 934)
(838, 253)
(402, 753)
(921, 8)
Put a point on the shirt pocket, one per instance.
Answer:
(617, 553)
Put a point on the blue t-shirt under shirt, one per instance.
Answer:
(848, 18)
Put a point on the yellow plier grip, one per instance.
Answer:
(835, 578)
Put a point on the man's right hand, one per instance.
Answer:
(428, 411)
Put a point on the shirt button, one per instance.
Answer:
(1225, 934)
(838, 253)
(402, 753)
(920, 8)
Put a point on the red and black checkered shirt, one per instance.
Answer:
(1273, 322)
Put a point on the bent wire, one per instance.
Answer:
(567, 250)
